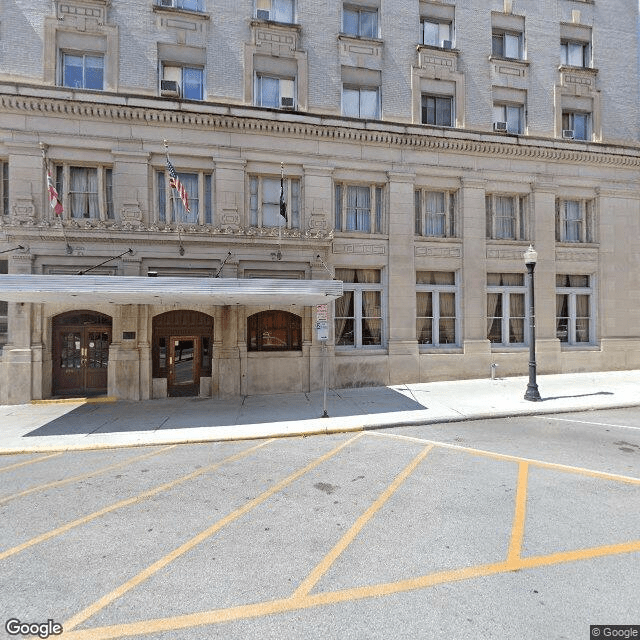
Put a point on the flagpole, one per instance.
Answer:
(43, 148)
(182, 196)
(279, 254)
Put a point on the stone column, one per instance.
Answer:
(543, 238)
(229, 192)
(404, 363)
(477, 349)
(130, 185)
(18, 354)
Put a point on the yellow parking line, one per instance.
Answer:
(509, 458)
(32, 461)
(517, 531)
(84, 476)
(243, 612)
(312, 579)
(125, 503)
(91, 610)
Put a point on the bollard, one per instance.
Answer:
(494, 366)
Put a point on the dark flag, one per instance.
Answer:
(283, 204)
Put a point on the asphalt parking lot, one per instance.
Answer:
(515, 528)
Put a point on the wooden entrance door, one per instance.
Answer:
(183, 377)
(81, 354)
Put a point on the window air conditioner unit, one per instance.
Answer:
(262, 14)
(286, 103)
(568, 134)
(500, 126)
(166, 3)
(447, 44)
(169, 88)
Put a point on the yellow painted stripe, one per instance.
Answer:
(125, 503)
(502, 456)
(32, 461)
(90, 611)
(312, 579)
(242, 612)
(79, 400)
(517, 531)
(84, 476)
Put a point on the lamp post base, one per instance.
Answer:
(532, 393)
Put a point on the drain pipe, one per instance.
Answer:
(494, 366)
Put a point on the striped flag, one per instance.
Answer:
(283, 204)
(174, 183)
(54, 199)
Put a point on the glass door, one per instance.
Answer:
(184, 370)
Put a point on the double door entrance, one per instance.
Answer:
(81, 342)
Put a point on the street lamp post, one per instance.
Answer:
(530, 258)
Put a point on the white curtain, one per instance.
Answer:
(447, 318)
(516, 317)
(424, 327)
(344, 310)
(504, 217)
(83, 192)
(494, 317)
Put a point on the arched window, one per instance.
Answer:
(274, 331)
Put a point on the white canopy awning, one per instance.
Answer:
(85, 289)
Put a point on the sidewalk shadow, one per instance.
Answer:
(582, 395)
(188, 413)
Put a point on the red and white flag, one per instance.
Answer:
(174, 183)
(54, 199)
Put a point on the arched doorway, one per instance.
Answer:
(182, 350)
(81, 342)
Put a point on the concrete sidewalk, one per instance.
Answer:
(61, 425)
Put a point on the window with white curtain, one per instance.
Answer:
(358, 208)
(436, 308)
(506, 309)
(574, 309)
(435, 213)
(264, 202)
(86, 192)
(361, 102)
(198, 186)
(360, 22)
(358, 313)
(506, 217)
(574, 220)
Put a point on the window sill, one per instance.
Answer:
(358, 351)
(519, 61)
(184, 12)
(349, 36)
(445, 349)
(503, 348)
(257, 22)
(276, 354)
(360, 234)
(570, 68)
(567, 348)
(581, 245)
(432, 47)
(446, 239)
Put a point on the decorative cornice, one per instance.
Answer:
(377, 133)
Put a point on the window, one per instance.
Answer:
(199, 189)
(436, 33)
(83, 71)
(511, 115)
(360, 22)
(436, 308)
(437, 110)
(358, 208)
(435, 213)
(575, 54)
(276, 10)
(506, 217)
(86, 192)
(4, 189)
(576, 125)
(506, 308)
(574, 313)
(264, 202)
(574, 221)
(189, 5)
(358, 312)
(274, 331)
(182, 82)
(276, 93)
(361, 102)
(507, 45)
(4, 307)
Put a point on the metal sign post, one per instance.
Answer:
(322, 329)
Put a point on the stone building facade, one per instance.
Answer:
(425, 145)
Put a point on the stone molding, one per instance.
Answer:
(422, 251)
(374, 133)
(357, 248)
